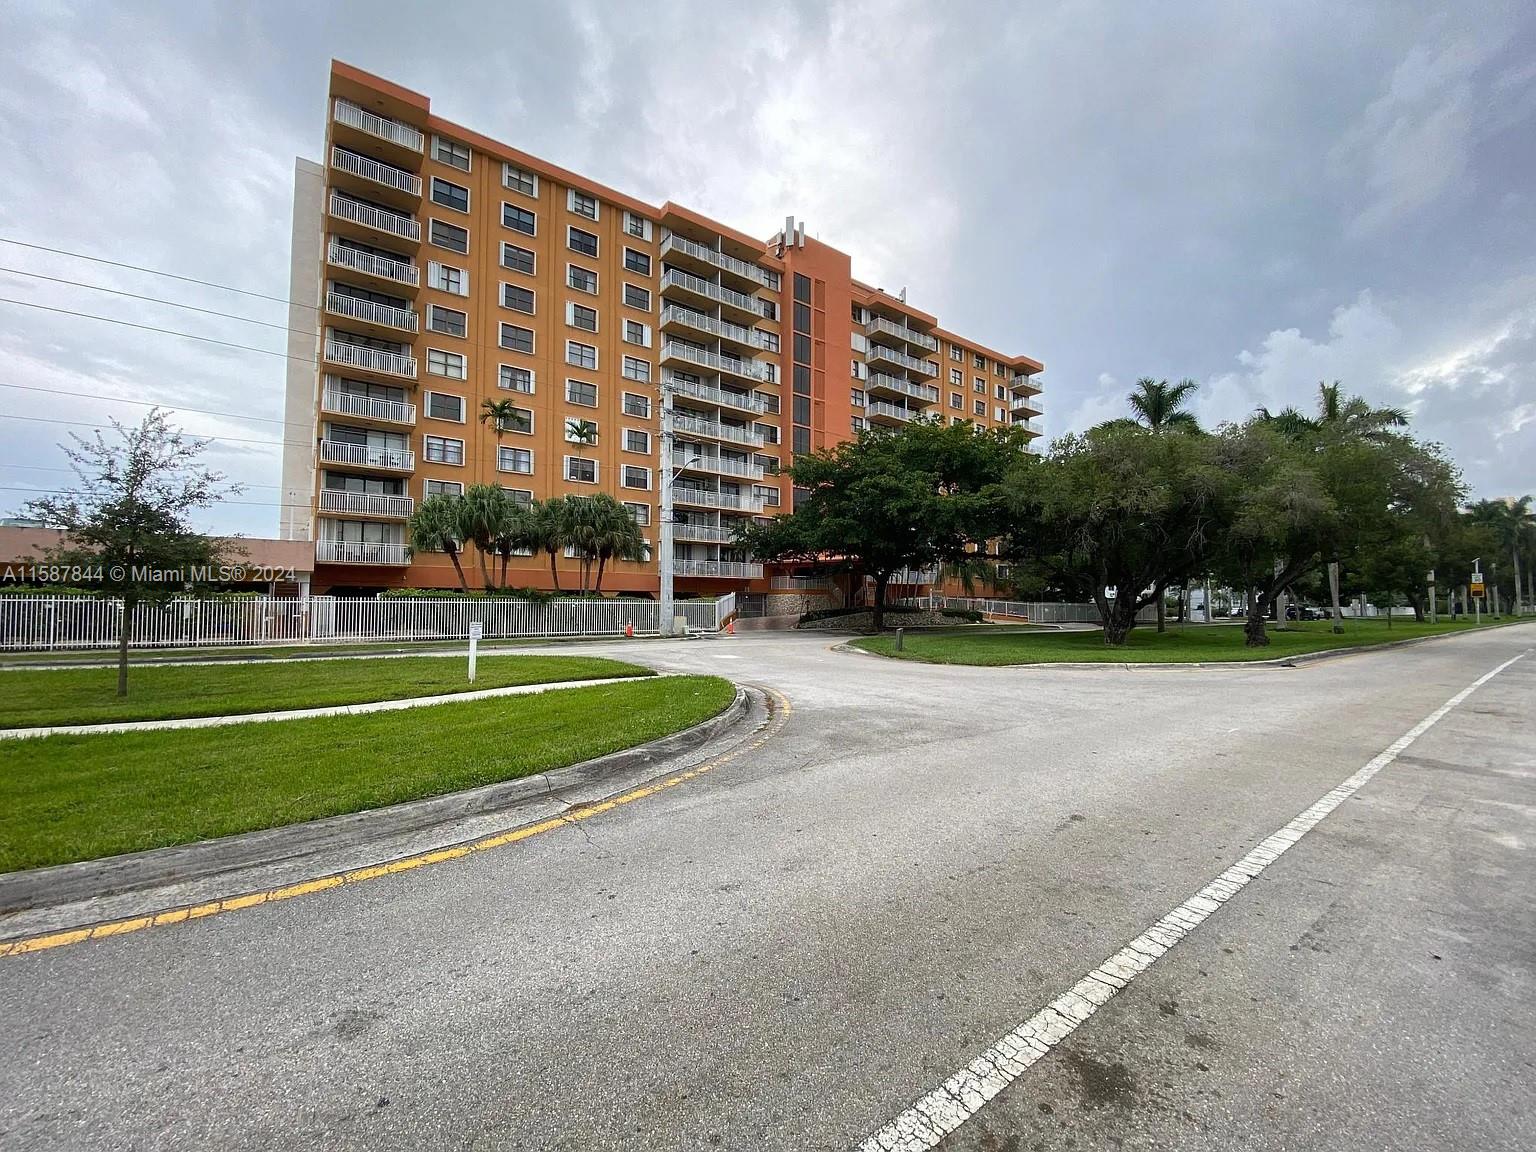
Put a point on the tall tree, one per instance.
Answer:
(1159, 405)
(437, 525)
(1511, 524)
(547, 531)
(484, 509)
(504, 416)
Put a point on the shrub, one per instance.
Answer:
(962, 614)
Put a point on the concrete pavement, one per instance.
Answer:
(789, 951)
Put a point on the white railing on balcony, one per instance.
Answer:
(395, 132)
(1034, 404)
(717, 464)
(722, 328)
(901, 332)
(386, 315)
(892, 356)
(915, 576)
(674, 243)
(927, 393)
(716, 431)
(371, 359)
(703, 533)
(366, 503)
(367, 168)
(731, 569)
(400, 271)
(676, 277)
(360, 552)
(751, 369)
(1028, 425)
(367, 456)
(705, 498)
(378, 218)
(712, 395)
(340, 403)
(881, 408)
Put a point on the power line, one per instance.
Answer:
(152, 328)
(153, 404)
(111, 427)
(149, 299)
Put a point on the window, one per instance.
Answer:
(858, 423)
(443, 450)
(637, 226)
(636, 440)
(802, 318)
(978, 360)
(641, 513)
(637, 477)
(767, 493)
(449, 194)
(637, 369)
(581, 470)
(858, 398)
(514, 460)
(637, 333)
(520, 421)
(637, 297)
(997, 368)
(802, 289)
(446, 278)
(999, 414)
(579, 431)
(769, 401)
(955, 353)
(802, 348)
(515, 379)
(442, 488)
(767, 341)
(522, 497)
(1002, 392)
(979, 384)
(802, 441)
(442, 406)
(802, 409)
(957, 400)
(449, 321)
(581, 204)
(449, 364)
(451, 153)
(637, 262)
(957, 376)
(517, 339)
(516, 298)
(517, 259)
(519, 219)
(581, 392)
(981, 407)
(449, 236)
(637, 406)
(581, 279)
(860, 370)
(769, 432)
(769, 308)
(580, 316)
(579, 241)
(519, 180)
(581, 355)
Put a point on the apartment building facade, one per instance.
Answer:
(450, 272)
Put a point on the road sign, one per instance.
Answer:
(1477, 589)
(476, 630)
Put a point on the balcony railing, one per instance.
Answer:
(677, 278)
(915, 576)
(722, 328)
(339, 403)
(1032, 404)
(717, 464)
(901, 332)
(367, 456)
(706, 498)
(379, 219)
(376, 171)
(717, 431)
(671, 242)
(364, 121)
(1028, 425)
(400, 271)
(709, 394)
(359, 552)
(751, 369)
(926, 393)
(703, 533)
(892, 356)
(730, 569)
(385, 315)
(367, 359)
(366, 503)
(881, 408)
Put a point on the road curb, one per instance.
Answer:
(64, 884)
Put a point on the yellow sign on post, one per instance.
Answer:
(1477, 589)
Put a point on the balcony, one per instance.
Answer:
(679, 281)
(713, 430)
(879, 325)
(674, 315)
(377, 505)
(1028, 425)
(705, 498)
(367, 456)
(880, 412)
(703, 534)
(747, 369)
(369, 132)
(369, 315)
(363, 221)
(726, 569)
(718, 465)
(336, 402)
(685, 249)
(361, 358)
(372, 267)
(374, 178)
(880, 353)
(915, 576)
(359, 552)
(922, 393)
(709, 394)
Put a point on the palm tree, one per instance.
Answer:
(503, 415)
(1353, 415)
(1512, 523)
(618, 536)
(581, 528)
(1159, 404)
(437, 525)
(546, 531)
(484, 509)
(581, 431)
(514, 534)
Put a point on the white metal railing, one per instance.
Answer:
(716, 431)
(724, 568)
(706, 498)
(915, 576)
(892, 356)
(712, 395)
(395, 223)
(718, 464)
(751, 369)
(395, 132)
(924, 392)
(670, 242)
(1035, 612)
(902, 332)
(371, 359)
(370, 312)
(721, 328)
(59, 623)
(803, 583)
(1034, 403)
(370, 407)
(400, 271)
(703, 533)
(367, 456)
(366, 503)
(360, 552)
(1027, 424)
(676, 277)
(881, 408)
(379, 173)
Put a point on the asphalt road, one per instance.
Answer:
(789, 951)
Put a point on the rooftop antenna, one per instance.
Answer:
(903, 295)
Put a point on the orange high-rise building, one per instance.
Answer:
(449, 270)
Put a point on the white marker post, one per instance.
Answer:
(476, 630)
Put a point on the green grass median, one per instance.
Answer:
(1192, 644)
(36, 698)
(65, 798)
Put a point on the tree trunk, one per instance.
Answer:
(485, 570)
(1333, 592)
(1418, 608)
(124, 630)
(602, 562)
(881, 579)
(1162, 610)
(1254, 635)
(459, 569)
(1183, 602)
(554, 573)
(1515, 556)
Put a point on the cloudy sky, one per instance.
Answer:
(1259, 197)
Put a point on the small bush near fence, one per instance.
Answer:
(831, 613)
(962, 614)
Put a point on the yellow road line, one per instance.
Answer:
(779, 717)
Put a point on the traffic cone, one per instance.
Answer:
(629, 630)
(730, 627)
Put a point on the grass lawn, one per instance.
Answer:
(32, 698)
(66, 798)
(1186, 645)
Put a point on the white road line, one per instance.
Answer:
(960, 1097)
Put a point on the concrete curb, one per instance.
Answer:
(88, 880)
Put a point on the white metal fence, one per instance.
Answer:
(1035, 612)
(72, 622)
